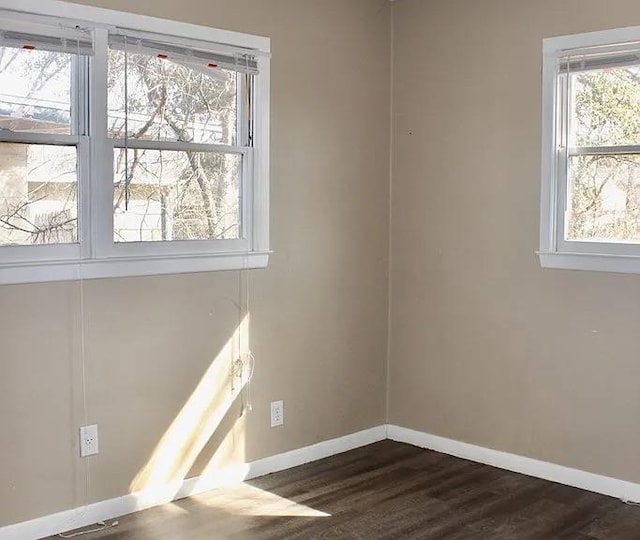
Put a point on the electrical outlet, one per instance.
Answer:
(277, 413)
(88, 440)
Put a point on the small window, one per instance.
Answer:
(591, 152)
(130, 146)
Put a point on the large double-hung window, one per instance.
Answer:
(129, 146)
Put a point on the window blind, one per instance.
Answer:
(21, 35)
(241, 61)
(621, 55)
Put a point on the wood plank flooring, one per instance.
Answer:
(387, 490)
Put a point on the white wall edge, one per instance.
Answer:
(627, 491)
(112, 508)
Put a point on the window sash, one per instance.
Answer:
(78, 138)
(245, 115)
(105, 246)
(184, 146)
(79, 122)
(614, 247)
(243, 243)
(41, 252)
(54, 139)
(621, 150)
(563, 154)
(158, 247)
(55, 251)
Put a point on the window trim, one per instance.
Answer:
(554, 251)
(97, 256)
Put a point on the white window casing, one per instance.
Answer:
(87, 33)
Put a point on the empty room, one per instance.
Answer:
(299, 269)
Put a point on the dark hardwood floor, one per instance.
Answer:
(387, 490)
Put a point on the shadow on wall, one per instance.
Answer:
(204, 412)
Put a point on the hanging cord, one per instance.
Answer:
(251, 361)
(83, 372)
(85, 417)
(239, 369)
(82, 328)
(244, 365)
(126, 124)
(101, 527)
(566, 118)
(85, 414)
(248, 89)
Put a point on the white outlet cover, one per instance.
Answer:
(88, 440)
(277, 413)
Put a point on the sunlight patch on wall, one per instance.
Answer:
(227, 464)
(199, 418)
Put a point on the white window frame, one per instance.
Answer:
(96, 255)
(76, 138)
(555, 251)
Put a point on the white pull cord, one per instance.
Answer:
(244, 365)
(101, 527)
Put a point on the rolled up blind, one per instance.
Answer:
(21, 35)
(240, 60)
(614, 56)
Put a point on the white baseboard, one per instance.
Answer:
(112, 508)
(597, 483)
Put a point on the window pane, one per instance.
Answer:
(604, 199)
(605, 108)
(175, 195)
(170, 101)
(35, 91)
(38, 194)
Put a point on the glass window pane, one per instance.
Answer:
(170, 101)
(38, 194)
(605, 108)
(604, 199)
(171, 195)
(35, 91)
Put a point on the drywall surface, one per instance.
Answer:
(157, 349)
(487, 347)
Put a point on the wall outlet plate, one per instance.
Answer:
(88, 440)
(277, 413)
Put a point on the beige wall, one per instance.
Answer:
(318, 313)
(487, 347)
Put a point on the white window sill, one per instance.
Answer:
(131, 266)
(597, 262)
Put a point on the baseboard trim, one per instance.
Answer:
(112, 508)
(627, 491)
